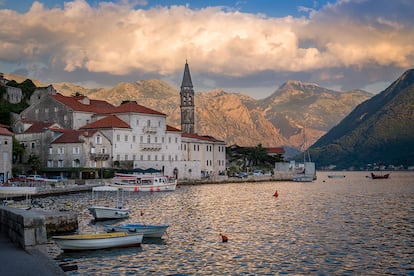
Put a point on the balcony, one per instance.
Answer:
(149, 129)
(151, 146)
(99, 156)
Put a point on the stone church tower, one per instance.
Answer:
(187, 102)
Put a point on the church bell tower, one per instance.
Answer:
(187, 102)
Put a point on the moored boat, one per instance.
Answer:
(336, 176)
(382, 176)
(149, 231)
(144, 183)
(302, 178)
(97, 241)
(104, 212)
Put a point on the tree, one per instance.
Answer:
(18, 151)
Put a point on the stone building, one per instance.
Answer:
(187, 102)
(6, 154)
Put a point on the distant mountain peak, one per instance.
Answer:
(299, 83)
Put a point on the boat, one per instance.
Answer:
(149, 231)
(97, 241)
(336, 176)
(302, 178)
(104, 212)
(143, 182)
(382, 176)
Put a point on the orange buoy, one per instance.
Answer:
(276, 194)
(223, 238)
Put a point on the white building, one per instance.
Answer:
(6, 154)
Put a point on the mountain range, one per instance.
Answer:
(295, 116)
(380, 130)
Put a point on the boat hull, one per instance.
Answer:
(385, 176)
(149, 231)
(146, 188)
(97, 241)
(105, 213)
(302, 179)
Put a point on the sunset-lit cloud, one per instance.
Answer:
(113, 41)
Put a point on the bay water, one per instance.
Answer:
(332, 226)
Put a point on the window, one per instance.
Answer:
(61, 150)
(156, 139)
(126, 138)
(162, 139)
(194, 147)
(149, 123)
(176, 140)
(75, 150)
(169, 140)
(76, 163)
(33, 145)
(141, 157)
(149, 157)
(162, 157)
(118, 137)
(156, 157)
(137, 123)
(98, 140)
(148, 139)
(133, 138)
(50, 150)
(56, 109)
(60, 163)
(141, 139)
(49, 163)
(126, 156)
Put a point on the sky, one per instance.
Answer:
(248, 46)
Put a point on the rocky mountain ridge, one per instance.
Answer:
(296, 115)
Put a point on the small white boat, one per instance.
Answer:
(302, 178)
(149, 231)
(104, 212)
(97, 241)
(144, 183)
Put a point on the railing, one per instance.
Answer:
(149, 129)
(151, 146)
(99, 156)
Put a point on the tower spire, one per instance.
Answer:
(187, 101)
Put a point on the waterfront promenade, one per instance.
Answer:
(19, 262)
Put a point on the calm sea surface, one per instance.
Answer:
(344, 226)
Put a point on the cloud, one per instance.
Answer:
(115, 39)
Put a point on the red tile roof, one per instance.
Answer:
(132, 107)
(95, 106)
(73, 136)
(37, 126)
(5, 131)
(278, 150)
(196, 136)
(111, 121)
(170, 128)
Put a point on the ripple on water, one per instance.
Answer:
(332, 226)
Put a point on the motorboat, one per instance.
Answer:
(104, 212)
(143, 182)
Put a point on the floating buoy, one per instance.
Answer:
(276, 194)
(223, 238)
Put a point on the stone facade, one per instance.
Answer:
(6, 154)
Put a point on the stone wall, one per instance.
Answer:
(30, 227)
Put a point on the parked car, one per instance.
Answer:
(242, 175)
(59, 177)
(35, 177)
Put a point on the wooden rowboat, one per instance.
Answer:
(98, 241)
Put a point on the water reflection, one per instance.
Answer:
(353, 225)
